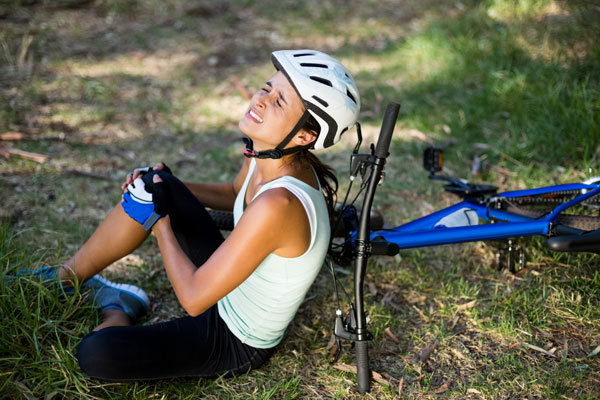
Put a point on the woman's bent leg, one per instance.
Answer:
(199, 346)
(117, 236)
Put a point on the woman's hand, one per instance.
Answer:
(141, 171)
(165, 221)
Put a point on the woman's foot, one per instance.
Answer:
(129, 299)
(113, 317)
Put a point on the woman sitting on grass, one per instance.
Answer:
(241, 292)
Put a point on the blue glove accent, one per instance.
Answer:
(140, 212)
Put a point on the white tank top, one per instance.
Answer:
(259, 310)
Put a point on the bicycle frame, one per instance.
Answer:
(423, 232)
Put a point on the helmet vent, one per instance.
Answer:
(350, 95)
(304, 54)
(315, 65)
(322, 80)
(320, 100)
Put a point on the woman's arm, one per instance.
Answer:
(219, 196)
(245, 248)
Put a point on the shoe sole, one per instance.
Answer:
(128, 289)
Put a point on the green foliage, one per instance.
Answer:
(108, 86)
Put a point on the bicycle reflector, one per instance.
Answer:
(433, 159)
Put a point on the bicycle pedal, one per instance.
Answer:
(511, 256)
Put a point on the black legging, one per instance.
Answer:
(199, 346)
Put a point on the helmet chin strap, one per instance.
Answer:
(279, 151)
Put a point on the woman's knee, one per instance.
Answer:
(94, 354)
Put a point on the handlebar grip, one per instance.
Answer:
(363, 373)
(387, 129)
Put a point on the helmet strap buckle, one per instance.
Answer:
(279, 151)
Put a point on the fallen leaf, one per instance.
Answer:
(444, 387)
(352, 368)
(427, 350)
(460, 328)
(466, 306)
(474, 391)
(595, 352)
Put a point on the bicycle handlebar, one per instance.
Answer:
(387, 128)
(363, 246)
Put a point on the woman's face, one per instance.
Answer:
(274, 111)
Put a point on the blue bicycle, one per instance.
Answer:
(568, 216)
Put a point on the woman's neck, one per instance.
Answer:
(268, 169)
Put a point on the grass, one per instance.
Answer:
(129, 83)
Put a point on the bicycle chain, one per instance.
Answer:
(557, 197)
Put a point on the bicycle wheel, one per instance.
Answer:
(223, 219)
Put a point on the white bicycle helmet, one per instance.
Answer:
(326, 87)
(327, 91)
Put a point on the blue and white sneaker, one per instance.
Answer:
(47, 276)
(128, 298)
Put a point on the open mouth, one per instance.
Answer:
(254, 116)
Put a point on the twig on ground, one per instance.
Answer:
(536, 348)
(388, 332)
(400, 387)
(14, 136)
(6, 152)
(11, 135)
(486, 146)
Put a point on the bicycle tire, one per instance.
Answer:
(223, 219)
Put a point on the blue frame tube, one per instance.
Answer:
(440, 236)
(428, 221)
(547, 189)
(422, 232)
(554, 213)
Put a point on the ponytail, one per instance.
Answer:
(325, 174)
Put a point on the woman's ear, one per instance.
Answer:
(304, 138)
